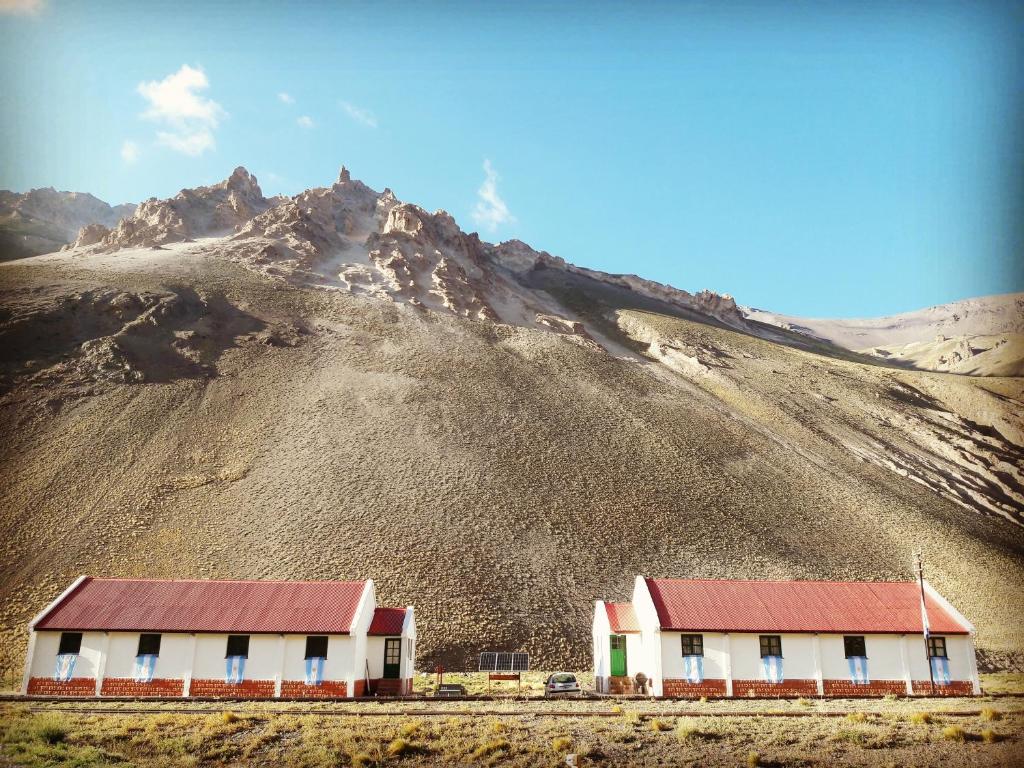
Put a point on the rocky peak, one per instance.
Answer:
(243, 182)
(344, 176)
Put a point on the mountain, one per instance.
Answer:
(43, 220)
(344, 385)
(982, 336)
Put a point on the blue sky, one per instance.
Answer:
(819, 159)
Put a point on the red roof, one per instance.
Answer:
(152, 605)
(622, 617)
(795, 606)
(387, 621)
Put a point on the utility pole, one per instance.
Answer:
(924, 621)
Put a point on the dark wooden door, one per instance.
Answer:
(392, 657)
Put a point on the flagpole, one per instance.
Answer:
(924, 622)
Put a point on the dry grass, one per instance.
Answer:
(991, 714)
(954, 733)
(524, 737)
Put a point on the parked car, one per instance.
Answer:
(562, 684)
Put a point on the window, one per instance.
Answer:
(70, 642)
(316, 646)
(855, 646)
(238, 645)
(937, 647)
(618, 642)
(149, 644)
(693, 645)
(771, 645)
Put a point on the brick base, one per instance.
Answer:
(359, 689)
(328, 689)
(47, 686)
(955, 688)
(126, 686)
(685, 689)
(847, 689)
(619, 685)
(247, 689)
(761, 688)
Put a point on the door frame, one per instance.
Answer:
(390, 642)
(611, 656)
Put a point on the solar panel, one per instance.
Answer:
(504, 662)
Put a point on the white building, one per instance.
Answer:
(234, 639)
(695, 638)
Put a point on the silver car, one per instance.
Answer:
(562, 684)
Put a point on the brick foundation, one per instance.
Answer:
(328, 689)
(620, 685)
(847, 689)
(359, 689)
(761, 688)
(684, 689)
(247, 689)
(955, 688)
(126, 686)
(47, 686)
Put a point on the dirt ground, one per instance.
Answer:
(173, 414)
(515, 732)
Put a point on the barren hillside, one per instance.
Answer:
(342, 386)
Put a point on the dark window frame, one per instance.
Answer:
(854, 640)
(70, 642)
(771, 645)
(316, 640)
(936, 643)
(237, 640)
(391, 646)
(147, 639)
(692, 645)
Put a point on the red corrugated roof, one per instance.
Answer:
(151, 605)
(795, 606)
(622, 617)
(387, 621)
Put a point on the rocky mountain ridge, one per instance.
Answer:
(43, 220)
(350, 237)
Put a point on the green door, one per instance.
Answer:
(392, 657)
(618, 644)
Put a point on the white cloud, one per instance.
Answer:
(286, 98)
(491, 210)
(130, 152)
(188, 118)
(305, 122)
(360, 115)
(22, 7)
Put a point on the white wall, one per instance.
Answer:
(958, 648)
(600, 631)
(173, 662)
(883, 657)
(263, 663)
(337, 666)
(672, 655)
(44, 660)
(409, 644)
(649, 661)
(797, 656)
(360, 625)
